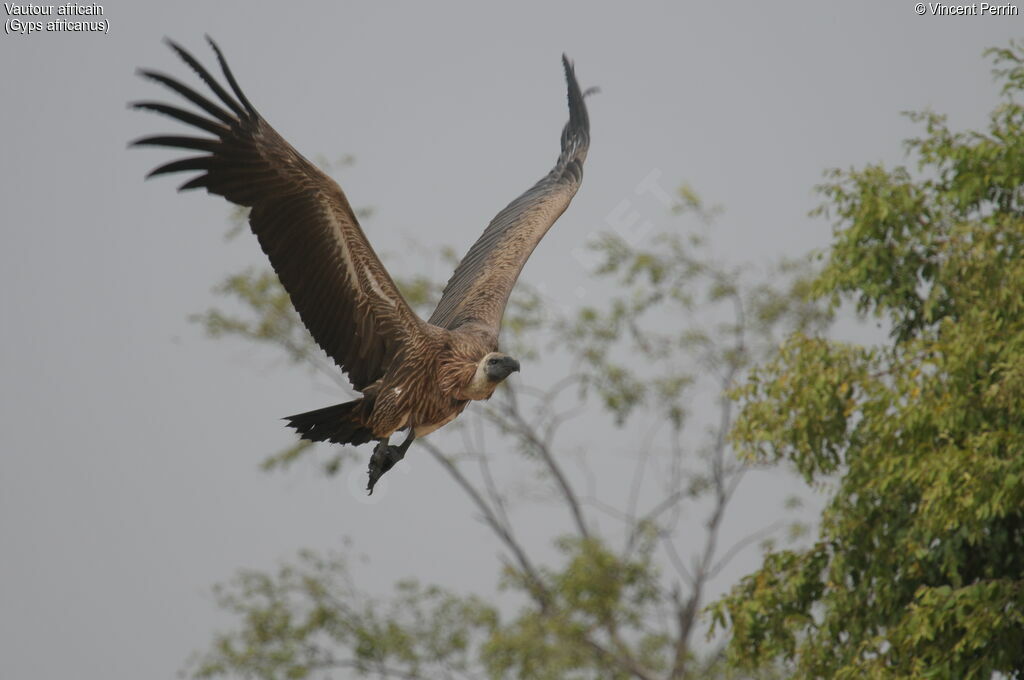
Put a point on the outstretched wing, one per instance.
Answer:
(304, 223)
(479, 289)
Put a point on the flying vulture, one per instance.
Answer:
(414, 375)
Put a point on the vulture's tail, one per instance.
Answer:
(341, 424)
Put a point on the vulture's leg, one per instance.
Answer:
(384, 458)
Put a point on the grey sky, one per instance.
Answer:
(129, 443)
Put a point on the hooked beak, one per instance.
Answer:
(499, 369)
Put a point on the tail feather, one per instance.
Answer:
(341, 424)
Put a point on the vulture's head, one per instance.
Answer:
(497, 366)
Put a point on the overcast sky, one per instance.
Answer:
(129, 478)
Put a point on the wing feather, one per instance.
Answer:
(304, 223)
(480, 286)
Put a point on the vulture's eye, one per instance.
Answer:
(492, 361)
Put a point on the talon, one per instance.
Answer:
(383, 459)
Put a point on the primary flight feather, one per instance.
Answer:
(414, 375)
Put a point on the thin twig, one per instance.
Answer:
(503, 530)
(523, 428)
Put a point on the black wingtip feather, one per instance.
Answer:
(576, 134)
(179, 142)
(578, 118)
(231, 78)
(190, 94)
(207, 78)
(182, 115)
(181, 165)
(194, 183)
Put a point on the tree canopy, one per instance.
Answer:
(918, 567)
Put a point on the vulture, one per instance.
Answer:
(414, 375)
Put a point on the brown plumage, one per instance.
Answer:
(413, 374)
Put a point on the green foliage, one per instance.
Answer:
(593, 596)
(310, 619)
(918, 569)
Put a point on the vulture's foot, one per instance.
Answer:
(383, 459)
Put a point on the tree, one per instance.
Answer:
(623, 603)
(918, 568)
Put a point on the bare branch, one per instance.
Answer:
(634, 491)
(500, 528)
(527, 432)
(739, 545)
(676, 560)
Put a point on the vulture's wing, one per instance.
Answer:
(304, 223)
(479, 289)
